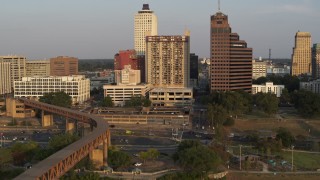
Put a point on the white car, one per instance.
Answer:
(138, 164)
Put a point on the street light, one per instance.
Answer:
(292, 157)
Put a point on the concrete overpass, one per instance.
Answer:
(62, 161)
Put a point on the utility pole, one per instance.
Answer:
(292, 157)
(240, 157)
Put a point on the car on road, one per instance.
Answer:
(137, 164)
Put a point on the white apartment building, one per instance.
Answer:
(127, 76)
(37, 68)
(313, 86)
(77, 86)
(122, 93)
(145, 23)
(17, 66)
(5, 78)
(268, 88)
(171, 97)
(168, 61)
(259, 69)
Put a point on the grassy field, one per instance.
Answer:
(5, 155)
(246, 176)
(303, 160)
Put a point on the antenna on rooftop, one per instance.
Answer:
(269, 54)
(218, 5)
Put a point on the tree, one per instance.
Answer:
(60, 141)
(118, 159)
(23, 152)
(107, 102)
(260, 80)
(307, 103)
(57, 98)
(285, 136)
(285, 97)
(267, 102)
(138, 101)
(216, 115)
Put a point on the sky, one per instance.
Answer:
(98, 29)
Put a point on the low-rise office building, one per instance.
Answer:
(122, 93)
(16, 109)
(171, 96)
(37, 68)
(313, 86)
(77, 86)
(269, 87)
(259, 69)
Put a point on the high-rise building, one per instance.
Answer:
(168, 60)
(37, 68)
(316, 61)
(145, 23)
(127, 76)
(5, 78)
(124, 58)
(259, 69)
(301, 57)
(231, 59)
(17, 67)
(63, 66)
(194, 61)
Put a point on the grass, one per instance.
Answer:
(303, 160)
(5, 155)
(247, 176)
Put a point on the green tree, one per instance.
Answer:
(285, 136)
(267, 102)
(307, 103)
(216, 115)
(107, 102)
(285, 97)
(260, 80)
(57, 98)
(118, 159)
(60, 141)
(23, 152)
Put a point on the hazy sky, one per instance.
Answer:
(41, 29)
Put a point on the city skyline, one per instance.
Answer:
(86, 29)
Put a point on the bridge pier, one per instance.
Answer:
(70, 126)
(46, 120)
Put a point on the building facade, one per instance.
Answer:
(63, 66)
(313, 86)
(168, 60)
(259, 69)
(77, 86)
(16, 109)
(301, 56)
(122, 93)
(194, 69)
(269, 87)
(37, 68)
(127, 76)
(145, 23)
(316, 61)
(17, 67)
(5, 78)
(125, 57)
(231, 59)
(180, 97)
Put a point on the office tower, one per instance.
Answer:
(124, 58)
(259, 69)
(63, 66)
(77, 86)
(301, 57)
(127, 76)
(168, 60)
(194, 60)
(5, 78)
(231, 59)
(316, 61)
(37, 68)
(17, 67)
(145, 23)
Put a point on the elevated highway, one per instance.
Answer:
(62, 161)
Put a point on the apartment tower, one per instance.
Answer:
(145, 23)
(63, 66)
(17, 67)
(5, 78)
(231, 59)
(301, 57)
(168, 60)
(316, 61)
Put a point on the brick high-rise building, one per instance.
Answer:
(168, 60)
(301, 56)
(145, 23)
(316, 61)
(231, 59)
(63, 66)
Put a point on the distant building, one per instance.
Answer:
(171, 97)
(194, 72)
(5, 78)
(37, 68)
(122, 93)
(125, 57)
(316, 61)
(313, 86)
(268, 88)
(98, 82)
(105, 73)
(259, 69)
(16, 109)
(231, 59)
(77, 86)
(63, 66)
(168, 60)
(127, 76)
(278, 69)
(145, 24)
(301, 56)
(17, 67)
